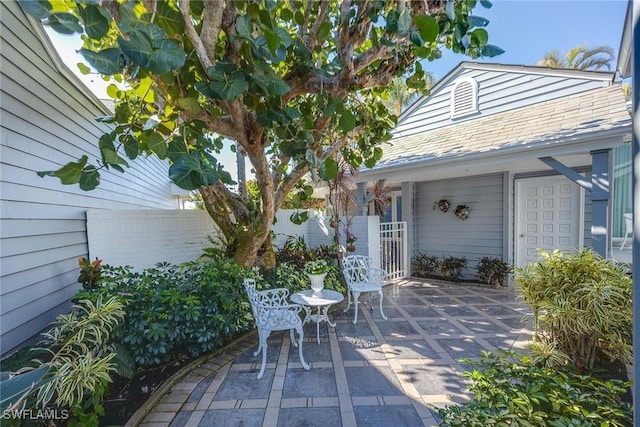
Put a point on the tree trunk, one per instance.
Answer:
(247, 233)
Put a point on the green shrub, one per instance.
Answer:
(510, 390)
(175, 309)
(423, 265)
(581, 305)
(451, 267)
(493, 271)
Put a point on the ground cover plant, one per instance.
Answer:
(512, 390)
(76, 369)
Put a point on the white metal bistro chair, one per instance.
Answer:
(628, 226)
(272, 311)
(362, 277)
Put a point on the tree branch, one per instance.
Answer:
(191, 32)
(211, 24)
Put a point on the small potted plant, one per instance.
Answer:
(442, 204)
(351, 239)
(462, 212)
(316, 270)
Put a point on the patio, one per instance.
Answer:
(375, 373)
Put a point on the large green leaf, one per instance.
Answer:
(427, 27)
(244, 25)
(167, 56)
(156, 143)
(491, 50)
(131, 147)
(108, 61)
(169, 19)
(225, 84)
(132, 16)
(69, 173)
(39, 9)
(450, 10)
(328, 169)
(477, 21)
(404, 22)
(347, 121)
(96, 24)
(480, 36)
(299, 217)
(15, 387)
(273, 40)
(65, 23)
(193, 170)
(89, 179)
(271, 84)
(107, 149)
(137, 48)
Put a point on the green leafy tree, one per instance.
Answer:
(581, 57)
(291, 83)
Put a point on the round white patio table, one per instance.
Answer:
(323, 300)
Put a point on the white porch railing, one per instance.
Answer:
(394, 253)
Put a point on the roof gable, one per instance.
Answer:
(499, 88)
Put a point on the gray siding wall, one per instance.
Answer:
(45, 122)
(443, 234)
(498, 91)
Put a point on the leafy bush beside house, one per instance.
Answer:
(582, 307)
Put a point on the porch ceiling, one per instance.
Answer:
(567, 129)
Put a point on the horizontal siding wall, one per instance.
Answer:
(443, 234)
(498, 91)
(46, 122)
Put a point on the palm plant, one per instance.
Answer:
(581, 57)
(400, 94)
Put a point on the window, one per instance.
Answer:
(464, 98)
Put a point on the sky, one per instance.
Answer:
(525, 29)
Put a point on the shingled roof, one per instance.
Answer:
(534, 126)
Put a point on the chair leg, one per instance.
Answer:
(382, 312)
(263, 345)
(301, 334)
(257, 352)
(292, 338)
(348, 301)
(356, 295)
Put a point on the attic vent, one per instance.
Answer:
(464, 98)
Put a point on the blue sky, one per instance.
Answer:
(527, 29)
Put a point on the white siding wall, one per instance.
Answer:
(498, 90)
(142, 239)
(443, 234)
(45, 122)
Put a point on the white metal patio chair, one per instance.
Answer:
(628, 226)
(272, 311)
(362, 277)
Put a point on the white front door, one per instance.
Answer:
(548, 216)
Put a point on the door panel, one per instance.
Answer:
(548, 216)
